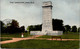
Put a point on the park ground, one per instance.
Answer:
(37, 43)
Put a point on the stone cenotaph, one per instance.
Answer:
(47, 28)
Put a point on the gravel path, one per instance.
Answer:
(34, 37)
(19, 39)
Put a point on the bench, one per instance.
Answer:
(56, 37)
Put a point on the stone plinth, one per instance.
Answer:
(46, 33)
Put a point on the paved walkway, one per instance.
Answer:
(60, 39)
(34, 37)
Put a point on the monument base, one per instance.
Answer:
(46, 33)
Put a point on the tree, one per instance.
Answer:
(57, 24)
(34, 28)
(67, 28)
(1, 24)
(15, 23)
(38, 27)
(7, 22)
(74, 29)
(11, 22)
(30, 28)
(14, 27)
(2, 27)
(79, 29)
(22, 28)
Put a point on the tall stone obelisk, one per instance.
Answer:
(47, 17)
(47, 28)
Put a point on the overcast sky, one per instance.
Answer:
(31, 13)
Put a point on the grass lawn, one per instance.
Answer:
(64, 36)
(15, 35)
(5, 39)
(43, 44)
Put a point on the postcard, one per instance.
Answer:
(40, 24)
